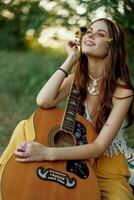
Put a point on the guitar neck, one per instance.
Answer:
(69, 116)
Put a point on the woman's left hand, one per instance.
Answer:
(32, 151)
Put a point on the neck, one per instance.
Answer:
(96, 67)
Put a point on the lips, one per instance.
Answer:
(89, 42)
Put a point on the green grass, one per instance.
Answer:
(22, 76)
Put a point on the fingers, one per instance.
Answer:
(24, 159)
(22, 151)
(22, 154)
(73, 43)
(29, 151)
(22, 147)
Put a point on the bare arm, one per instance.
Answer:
(57, 87)
(39, 152)
(104, 138)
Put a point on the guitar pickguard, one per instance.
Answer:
(79, 167)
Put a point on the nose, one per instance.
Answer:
(91, 35)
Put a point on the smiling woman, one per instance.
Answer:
(105, 98)
(97, 39)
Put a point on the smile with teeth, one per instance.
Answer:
(89, 43)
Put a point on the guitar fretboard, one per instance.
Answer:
(71, 110)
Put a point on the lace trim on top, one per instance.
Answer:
(118, 144)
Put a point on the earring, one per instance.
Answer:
(110, 40)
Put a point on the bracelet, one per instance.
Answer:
(66, 74)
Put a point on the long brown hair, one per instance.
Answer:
(116, 68)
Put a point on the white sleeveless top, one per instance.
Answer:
(118, 144)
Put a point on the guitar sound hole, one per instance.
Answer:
(63, 139)
(60, 138)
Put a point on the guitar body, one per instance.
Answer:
(57, 180)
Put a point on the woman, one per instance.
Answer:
(102, 79)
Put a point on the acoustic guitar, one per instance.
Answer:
(57, 180)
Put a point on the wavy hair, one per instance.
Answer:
(116, 68)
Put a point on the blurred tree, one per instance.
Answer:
(16, 17)
(122, 11)
(19, 16)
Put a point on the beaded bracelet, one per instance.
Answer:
(66, 74)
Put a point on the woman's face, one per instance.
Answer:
(95, 41)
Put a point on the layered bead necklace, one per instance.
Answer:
(92, 90)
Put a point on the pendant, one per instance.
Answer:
(95, 83)
(93, 91)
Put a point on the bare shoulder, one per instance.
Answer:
(122, 92)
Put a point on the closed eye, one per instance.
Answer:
(101, 34)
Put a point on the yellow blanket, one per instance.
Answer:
(24, 131)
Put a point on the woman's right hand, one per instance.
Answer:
(73, 50)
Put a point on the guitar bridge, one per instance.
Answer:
(56, 176)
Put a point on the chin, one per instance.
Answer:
(87, 51)
(91, 53)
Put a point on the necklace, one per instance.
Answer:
(92, 90)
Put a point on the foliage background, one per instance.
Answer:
(25, 65)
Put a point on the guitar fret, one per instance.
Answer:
(71, 110)
(70, 115)
(72, 107)
(74, 92)
(74, 111)
(73, 103)
(73, 97)
(67, 126)
(71, 121)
